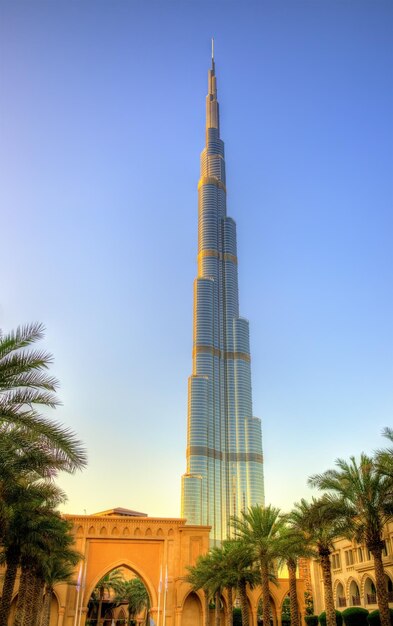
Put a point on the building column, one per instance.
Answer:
(153, 611)
(83, 616)
(60, 617)
(178, 614)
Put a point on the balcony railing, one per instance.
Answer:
(342, 601)
(355, 600)
(371, 598)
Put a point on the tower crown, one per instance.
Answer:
(212, 112)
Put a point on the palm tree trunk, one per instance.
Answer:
(265, 594)
(230, 607)
(294, 606)
(8, 587)
(382, 592)
(243, 603)
(38, 601)
(45, 619)
(328, 588)
(29, 599)
(217, 608)
(207, 608)
(21, 597)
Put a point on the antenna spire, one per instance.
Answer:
(212, 52)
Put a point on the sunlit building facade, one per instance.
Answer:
(224, 442)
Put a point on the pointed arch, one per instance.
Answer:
(192, 610)
(136, 569)
(353, 591)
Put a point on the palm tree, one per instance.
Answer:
(320, 525)
(32, 447)
(260, 529)
(112, 581)
(384, 457)
(199, 577)
(237, 571)
(59, 566)
(60, 569)
(293, 547)
(24, 387)
(45, 534)
(134, 592)
(365, 495)
(27, 501)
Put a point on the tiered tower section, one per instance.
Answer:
(224, 442)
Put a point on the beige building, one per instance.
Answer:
(353, 575)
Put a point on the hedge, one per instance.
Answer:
(322, 618)
(373, 618)
(355, 616)
(311, 620)
(237, 617)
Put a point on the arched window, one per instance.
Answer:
(370, 592)
(340, 596)
(354, 594)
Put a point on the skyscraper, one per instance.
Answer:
(224, 443)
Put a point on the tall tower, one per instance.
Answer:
(224, 443)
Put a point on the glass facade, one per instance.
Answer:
(224, 443)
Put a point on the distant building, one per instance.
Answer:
(353, 575)
(224, 443)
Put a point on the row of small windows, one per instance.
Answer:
(125, 531)
(357, 555)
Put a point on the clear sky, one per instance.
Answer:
(101, 125)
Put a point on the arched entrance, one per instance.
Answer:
(272, 609)
(120, 588)
(286, 612)
(192, 611)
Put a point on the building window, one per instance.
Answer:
(348, 557)
(336, 560)
(360, 555)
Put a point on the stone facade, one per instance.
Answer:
(353, 575)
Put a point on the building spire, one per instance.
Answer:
(212, 120)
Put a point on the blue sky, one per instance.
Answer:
(101, 125)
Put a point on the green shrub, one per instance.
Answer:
(237, 617)
(322, 618)
(311, 620)
(374, 620)
(355, 616)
